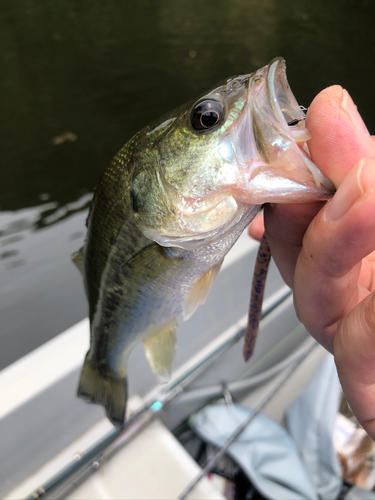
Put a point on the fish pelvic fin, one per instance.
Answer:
(160, 350)
(257, 291)
(199, 292)
(77, 258)
(105, 388)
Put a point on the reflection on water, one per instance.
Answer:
(23, 222)
(78, 79)
(41, 292)
(39, 286)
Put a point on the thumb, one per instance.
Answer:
(339, 136)
(354, 352)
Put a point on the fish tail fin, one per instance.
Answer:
(106, 388)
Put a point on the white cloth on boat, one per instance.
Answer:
(264, 451)
(310, 421)
(296, 462)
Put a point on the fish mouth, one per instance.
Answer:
(280, 97)
(270, 141)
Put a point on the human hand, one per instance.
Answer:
(326, 254)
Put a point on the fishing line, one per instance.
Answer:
(297, 120)
(218, 455)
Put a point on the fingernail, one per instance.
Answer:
(348, 105)
(347, 194)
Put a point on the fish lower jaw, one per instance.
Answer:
(291, 177)
(266, 189)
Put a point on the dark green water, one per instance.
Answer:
(79, 78)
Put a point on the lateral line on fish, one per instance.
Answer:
(262, 263)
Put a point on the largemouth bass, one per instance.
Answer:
(170, 206)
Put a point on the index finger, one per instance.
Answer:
(339, 136)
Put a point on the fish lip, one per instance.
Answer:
(286, 108)
(273, 158)
(270, 92)
(280, 95)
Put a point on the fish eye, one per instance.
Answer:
(206, 114)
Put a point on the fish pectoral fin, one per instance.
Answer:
(198, 293)
(77, 258)
(160, 349)
(262, 263)
(104, 388)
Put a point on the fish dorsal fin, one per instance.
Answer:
(77, 258)
(160, 349)
(198, 293)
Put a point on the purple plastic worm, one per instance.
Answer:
(257, 291)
